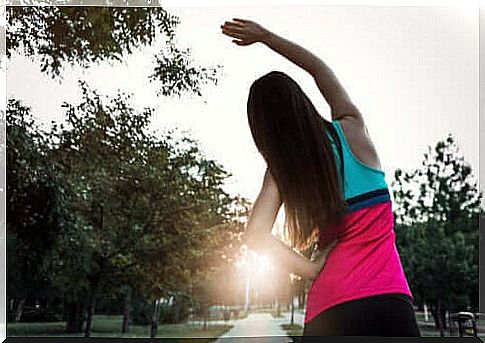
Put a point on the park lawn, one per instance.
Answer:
(292, 330)
(110, 326)
(420, 317)
(426, 331)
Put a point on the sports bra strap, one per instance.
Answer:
(359, 178)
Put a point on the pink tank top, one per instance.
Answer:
(365, 262)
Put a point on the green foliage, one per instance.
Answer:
(443, 189)
(101, 202)
(144, 211)
(83, 35)
(176, 75)
(142, 311)
(150, 206)
(139, 210)
(437, 208)
(37, 208)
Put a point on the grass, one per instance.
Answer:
(240, 315)
(426, 331)
(292, 330)
(420, 317)
(428, 328)
(110, 326)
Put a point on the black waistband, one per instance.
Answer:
(367, 196)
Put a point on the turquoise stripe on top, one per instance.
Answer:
(359, 178)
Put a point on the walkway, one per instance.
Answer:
(298, 317)
(261, 326)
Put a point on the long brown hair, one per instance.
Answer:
(292, 138)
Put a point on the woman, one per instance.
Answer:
(329, 179)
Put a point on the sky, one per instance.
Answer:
(412, 71)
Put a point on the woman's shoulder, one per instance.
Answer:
(351, 124)
(359, 140)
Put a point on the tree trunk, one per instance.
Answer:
(304, 298)
(438, 317)
(75, 318)
(20, 307)
(127, 311)
(177, 311)
(443, 319)
(300, 299)
(292, 311)
(154, 326)
(91, 306)
(205, 314)
(435, 315)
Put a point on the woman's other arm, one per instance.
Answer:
(260, 239)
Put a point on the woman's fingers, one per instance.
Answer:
(232, 26)
(326, 250)
(330, 246)
(240, 42)
(232, 31)
(243, 21)
(234, 35)
(233, 23)
(317, 255)
(241, 30)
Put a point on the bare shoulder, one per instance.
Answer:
(359, 140)
(354, 127)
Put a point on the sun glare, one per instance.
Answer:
(262, 263)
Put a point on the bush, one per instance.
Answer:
(30, 315)
(142, 312)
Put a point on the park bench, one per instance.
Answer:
(466, 322)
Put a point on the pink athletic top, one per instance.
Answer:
(365, 262)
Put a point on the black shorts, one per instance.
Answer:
(387, 315)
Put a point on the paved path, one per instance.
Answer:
(262, 327)
(298, 317)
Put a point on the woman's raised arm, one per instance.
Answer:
(247, 32)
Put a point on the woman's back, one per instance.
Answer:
(365, 262)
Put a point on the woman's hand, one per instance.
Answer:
(246, 32)
(319, 258)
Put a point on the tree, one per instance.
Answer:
(56, 36)
(153, 211)
(436, 209)
(37, 209)
(140, 212)
(128, 195)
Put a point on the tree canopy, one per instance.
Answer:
(437, 208)
(101, 204)
(60, 36)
